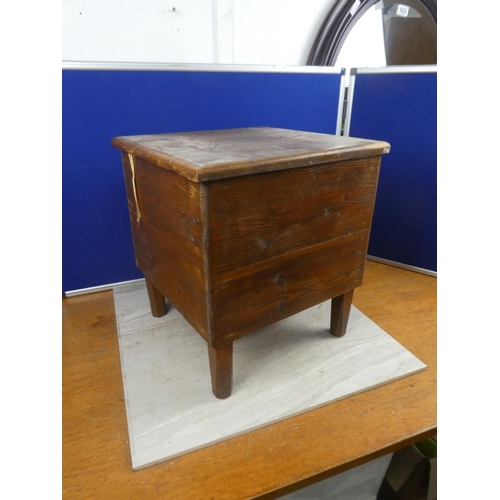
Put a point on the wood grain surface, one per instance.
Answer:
(339, 313)
(168, 237)
(276, 209)
(257, 217)
(281, 242)
(156, 300)
(265, 463)
(218, 154)
(277, 288)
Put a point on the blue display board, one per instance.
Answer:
(400, 108)
(101, 104)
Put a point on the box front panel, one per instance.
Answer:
(285, 241)
(257, 217)
(277, 288)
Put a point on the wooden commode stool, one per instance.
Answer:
(241, 228)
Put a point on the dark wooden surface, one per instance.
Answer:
(257, 217)
(168, 237)
(264, 463)
(261, 240)
(210, 155)
(281, 287)
(339, 313)
(283, 241)
(221, 370)
(156, 300)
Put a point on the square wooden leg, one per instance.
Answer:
(156, 300)
(341, 306)
(221, 370)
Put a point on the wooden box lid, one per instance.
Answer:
(216, 154)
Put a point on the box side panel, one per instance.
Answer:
(168, 237)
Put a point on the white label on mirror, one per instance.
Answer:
(402, 10)
(355, 7)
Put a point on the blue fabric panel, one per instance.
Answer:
(99, 105)
(400, 108)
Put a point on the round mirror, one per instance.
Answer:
(377, 33)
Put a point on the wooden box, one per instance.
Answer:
(241, 228)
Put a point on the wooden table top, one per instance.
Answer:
(215, 154)
(265, 463)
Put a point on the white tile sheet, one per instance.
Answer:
(279, 371)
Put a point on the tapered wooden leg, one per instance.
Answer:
(341, 306)
(221, 370)
(156, 300)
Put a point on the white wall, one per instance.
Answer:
(364, 46)
(138, 30)
(191, 31)
(276, 31)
